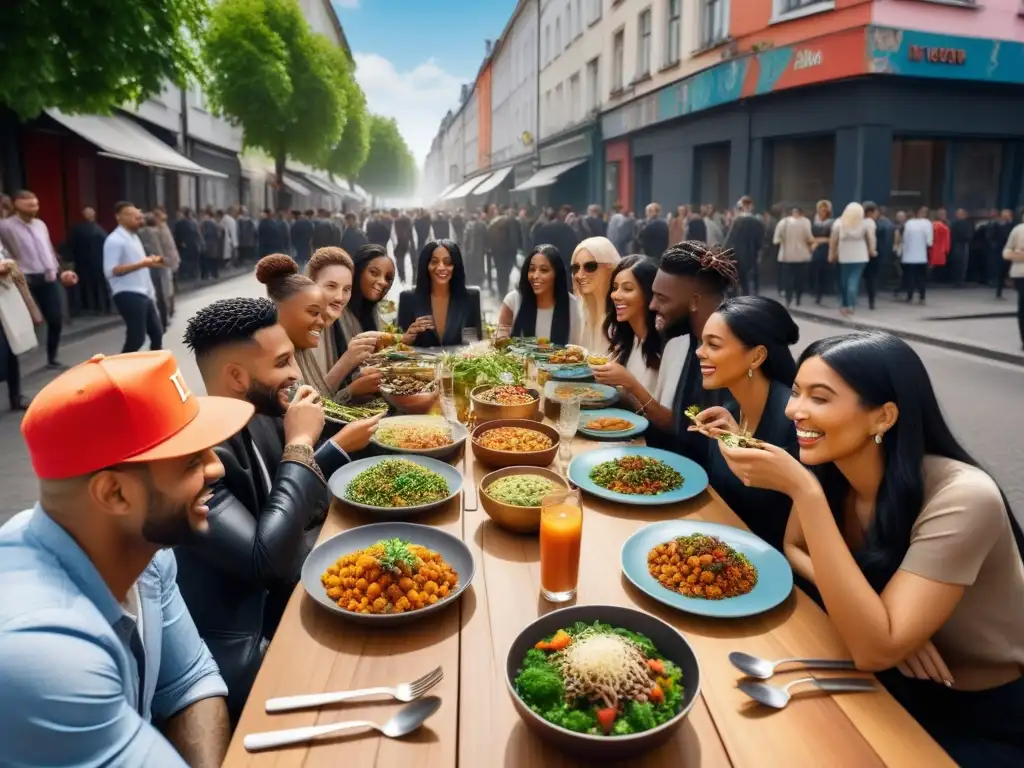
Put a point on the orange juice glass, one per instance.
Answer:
(561, 531)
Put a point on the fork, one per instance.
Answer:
(402, 692)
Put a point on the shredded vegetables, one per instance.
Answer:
(636, 475)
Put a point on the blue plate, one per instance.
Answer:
(695, 479)
(339, 481)
(639, 423)
(564, 372)
(608, 394)
(774, 575)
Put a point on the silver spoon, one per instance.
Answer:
(405, 721)
(778, 697)
(754, 666)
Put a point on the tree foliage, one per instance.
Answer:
(286, 86)
(349, 154)
(94, 55)
(390, 168)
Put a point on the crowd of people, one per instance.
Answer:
(170, 532)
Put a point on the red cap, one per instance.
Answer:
(124, 408)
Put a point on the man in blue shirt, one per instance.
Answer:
(100, 662)
(126, 266)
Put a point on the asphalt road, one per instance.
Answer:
(976, 394)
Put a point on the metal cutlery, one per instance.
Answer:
(405, 721)
(755, 666)
(778, 696)
(402, 692)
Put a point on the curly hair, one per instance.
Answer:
(713, 266)
(228, 321)
(330, 255)
(281, 275)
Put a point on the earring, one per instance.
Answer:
(878, 439)
(750, 373)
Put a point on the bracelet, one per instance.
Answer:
(303, 454)
(644, 406)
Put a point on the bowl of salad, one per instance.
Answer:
(504, 401)
(512, 496)
(602, 682)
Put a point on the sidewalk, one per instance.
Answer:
(87, 325)
(970, 320)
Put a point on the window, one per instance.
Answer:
(643, 44)
(714, 22)
(575, 105)
(618, 60)
(918, 173)
(783, 10)
(802, 170)
(579, 18)
(559, 107)
(594, 11)
(547, 112)
(673, 40)
(547, 45)
(593, 85)
(558, 37)
(568, 24)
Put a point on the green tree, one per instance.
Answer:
(390, 167)
(348, 156)
(94, 55)
(286, 86)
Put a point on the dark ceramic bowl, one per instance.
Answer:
(499, 459)
(666, 639)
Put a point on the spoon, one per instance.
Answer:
(778, 697)
(755, 666)
(405, 721)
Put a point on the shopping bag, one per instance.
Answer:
(16, 319)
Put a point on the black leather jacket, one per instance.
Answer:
(236, 579)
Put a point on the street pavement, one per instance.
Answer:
(976, 393)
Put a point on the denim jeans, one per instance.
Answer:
(849, 283)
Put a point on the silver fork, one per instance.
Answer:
(402, 692)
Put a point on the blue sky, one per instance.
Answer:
(412, 56)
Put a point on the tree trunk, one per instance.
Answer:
(282, 195)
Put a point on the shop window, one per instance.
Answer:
(711, 166)
(918, 173)
(977, 169)
(802, 171)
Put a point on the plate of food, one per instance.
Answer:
(706, 568)
(393, 486)
(504, 401)
(388, 573)
(591, 395)
(409, 392)
(346, 413)
(566, 372)
(431, 436)
(637, 475)
(602, 682)
(612, 423)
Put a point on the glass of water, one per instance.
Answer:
(568, 423)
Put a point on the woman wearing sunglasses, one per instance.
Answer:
(593, 262)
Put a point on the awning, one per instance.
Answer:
(496, 178)
(323, 186)
(466, 187)
(295, 186)
(445, 191)
(547, 176)
(123, 139)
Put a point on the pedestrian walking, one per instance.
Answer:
(13, 283)
(918, 237)
(247, 237)
(304, 233)
(874, 265)
(171, 257)
(159, 274)
(653, 234)
(213, 246)
(998, 235)
(961, 232)
(230, 224)
(745, 238)
(404, 235)
(86, 245)
(189, 242)
(795, 239)
(27, 238)
(852, 246)
(127, 266)
(820, 268)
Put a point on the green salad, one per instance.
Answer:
(396, 483)
(600, 680)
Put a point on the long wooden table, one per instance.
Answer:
(476, 727)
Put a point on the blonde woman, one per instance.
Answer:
(852, 245)
(593, 262)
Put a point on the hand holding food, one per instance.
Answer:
(304, 419)
(419, 325)
(359, 349)
(715, 423)
(769, 467)
(356, 436)
(614, 375)
(366, 383)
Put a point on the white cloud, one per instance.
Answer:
(417, 98)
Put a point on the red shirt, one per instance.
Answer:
(941, 240)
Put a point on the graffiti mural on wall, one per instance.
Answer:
(923, 54)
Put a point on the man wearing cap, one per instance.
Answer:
(96, 643)
(266, 512)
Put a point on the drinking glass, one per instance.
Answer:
(503, 332)
(568, 423)
(561, 532)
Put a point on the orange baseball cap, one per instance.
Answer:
(133, 408)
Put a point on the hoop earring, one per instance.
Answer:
(750, 373)
(878, 439)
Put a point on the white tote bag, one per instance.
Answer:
(15, 319)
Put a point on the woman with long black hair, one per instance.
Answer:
(441, 298)
(913, 547)
(630, 324)
(541, 304)
(745, 349)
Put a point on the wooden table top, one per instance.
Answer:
(314, 651)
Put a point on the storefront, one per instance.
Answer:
(570, 171)
(900, 117)
(216, 192)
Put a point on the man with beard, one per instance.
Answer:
(266, 512)
(96, 643)
(692, 280)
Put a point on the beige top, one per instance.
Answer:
(963, 536)
(795, 240)
(1015, 243)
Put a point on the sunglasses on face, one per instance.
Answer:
(590, 267)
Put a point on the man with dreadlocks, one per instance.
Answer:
(693, 279)
(266, 512)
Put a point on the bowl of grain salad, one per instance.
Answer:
(431, 436)
(504, 401)
(514, 442)
(512, 496)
